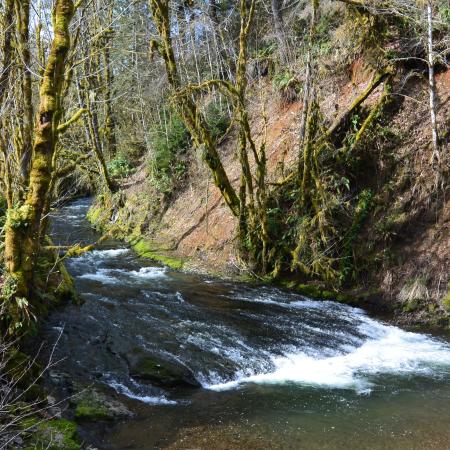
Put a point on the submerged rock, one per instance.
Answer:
(158, 371)
(91, 404)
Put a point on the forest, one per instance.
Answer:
(224, 224)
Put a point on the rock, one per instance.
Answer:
(158, 371)
(59, 378)
(94, 405)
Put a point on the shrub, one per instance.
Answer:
(169, 145)
(119, 167)
(218, 120)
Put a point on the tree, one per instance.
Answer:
(23, 226)
(191, 114)
(283, 48)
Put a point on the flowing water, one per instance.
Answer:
(276, 370)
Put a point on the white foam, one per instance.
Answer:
(109, 253)
(149, 272)
(305, 303)
(101, 276)
(389, 350)
(149, 399)
(77, 206)
(107, 276)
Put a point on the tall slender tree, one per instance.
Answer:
(23, 226)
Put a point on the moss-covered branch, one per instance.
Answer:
(343, 118)
(64, 126)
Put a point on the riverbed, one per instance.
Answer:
(273, 369)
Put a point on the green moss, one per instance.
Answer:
(412, 305)
(446, 299)
(147, 249)
(57, 434)
(148, 368)
(90, 408)
(309, 290)
(94, 214)
(65, 290)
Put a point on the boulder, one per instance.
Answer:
(158, 371)
(91, 404)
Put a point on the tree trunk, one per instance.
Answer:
(191, 115)
(8, 18)
(23, 25)
(91, 119)
(279, 30)
(24, 222)
(432, 84)
(5, 73)
(308, 74)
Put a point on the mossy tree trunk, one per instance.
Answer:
(7, 47)
(254, 228)
(26, 124)
(23, 226)
(110, 122)
(5, 75)
(192, 116)
(307, 86)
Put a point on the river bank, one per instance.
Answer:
(415, 309)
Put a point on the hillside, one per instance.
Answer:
(405, 243)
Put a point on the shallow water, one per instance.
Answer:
(276, 370)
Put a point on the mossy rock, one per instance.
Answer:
(56, 434)
(158, 371)
(309, 290)
(94, 405)
(92, 410)
(23, 368)
(147, 249)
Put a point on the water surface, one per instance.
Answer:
(276, 370)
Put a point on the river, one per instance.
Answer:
(275, 370)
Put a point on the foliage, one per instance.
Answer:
(283, 79)
(56, 434)
(265, 50)
(170, 142)
(15, 312)
(120, 167)
(361, 213)
(218, 120)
